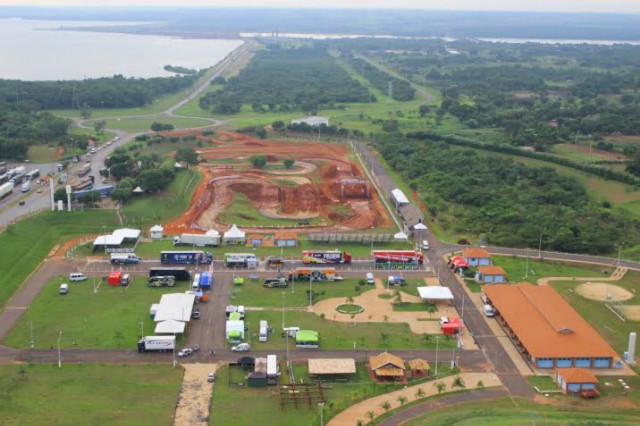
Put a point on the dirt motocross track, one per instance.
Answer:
(324, 186)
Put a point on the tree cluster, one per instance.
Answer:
(303, 79)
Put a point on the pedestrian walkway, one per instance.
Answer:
(359, 411)
(195, 395)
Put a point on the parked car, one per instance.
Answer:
(275, 283)
(64, 289)
(185, 352)
(370, 279)
(488, 310)
(242, 347)
(195, 314)
(211, 377)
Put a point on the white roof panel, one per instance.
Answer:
(170, 327)
(435, 293)
(175, 306)
(127, 233)
(108, 240)
(234, 232)
(399, 196)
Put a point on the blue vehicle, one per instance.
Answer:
(206, 281)
(185, 257)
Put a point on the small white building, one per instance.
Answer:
(398, 198)
(156, 232)
(234, 236)
(312, 121)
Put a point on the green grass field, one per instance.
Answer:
(88, 394)
(507, 412)
(339, 335)
(109, 318)
(516, 268)
(25, 244)
(143, 124)
(147, 210)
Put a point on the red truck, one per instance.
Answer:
(325, 257)
(397, 256)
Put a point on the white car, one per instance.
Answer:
(185, 352)
(242, 347)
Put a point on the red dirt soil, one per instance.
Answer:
(324, 183)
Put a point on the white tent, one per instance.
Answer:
(234, 235)
(400, 236)
(170, 327)
(156, 232)
(212, 233)
(108, 240)
(435, 293)
(175, 306)
(138, 190)
(420, 227)
(127, 233)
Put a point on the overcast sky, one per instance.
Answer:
(522, 5)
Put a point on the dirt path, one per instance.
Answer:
(359, 411)
(195, 395)
(617, 275)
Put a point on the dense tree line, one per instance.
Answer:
(107, 92)
(21, 127)
(401, 89)
(304, 79)
(506, 202)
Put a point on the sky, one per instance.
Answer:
(631, 6)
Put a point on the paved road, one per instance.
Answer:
(417, 410)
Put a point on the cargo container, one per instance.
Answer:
(197, 240)
(157, 344)
(185, 257)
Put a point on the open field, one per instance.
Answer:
(149, 210)
(143, 124)
(322, 176)
(516, 268)
(583, 154)
(598, 315)
(88, 394)
(230, 402)
(505, 412)
(339, 335)
(25, 244)
(109, 318)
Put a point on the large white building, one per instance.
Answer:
(312, 121)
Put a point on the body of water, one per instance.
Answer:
(40, 50)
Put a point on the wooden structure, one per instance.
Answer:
(311, 393)
(387, 367)
(327, 368)
(419, 367)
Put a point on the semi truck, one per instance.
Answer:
(17, 174)
(33, 174)
(198, 240)
(180, 274)
(318, 274)
(397, 256)
(6, 189)
(185, 257)
(124, 258)
(157, 344)
(84, 170)
(243, 260)
(326, 257)
(83, 185)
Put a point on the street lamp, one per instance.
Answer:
(354, 334)
(540, 247)
(59, 359)
(321, 413)
(310, 291)
(437, 346)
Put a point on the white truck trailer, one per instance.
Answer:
(157, 344)
(197, 240)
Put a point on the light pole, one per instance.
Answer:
(310, 291)
(354, 334)
(540, 247)
(142, 329)
(33, 344)
(437, 346)
(321, 413)
(174, 354)
(283, 310)
(59, 359)
(371, 237)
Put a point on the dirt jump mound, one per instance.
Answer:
(604, 292)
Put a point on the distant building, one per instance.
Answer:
(387, 367)
(285, 239)
(312, 121)
(491, 274)
(476, 256)
(156, 232)
(546, 329)
(576, 380)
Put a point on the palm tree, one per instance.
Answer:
(349, 300)
(431, 308)
(371, 415)
(402, 399)
(480, 384)
(420, 393)
(440, 387)
(458, 383)
(386, 406)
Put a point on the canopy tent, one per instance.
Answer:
(108, 240)
(420, 227)
(170, 327)
(234, 232)
(234, 316)
(127, 233)
(453, 326)
(306, 336)
(400, 236)
(212, 233)
(435, 293)
(138, 190)
(175, 306)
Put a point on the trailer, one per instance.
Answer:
(243, 260)
(84, 170)
(317, 274)
(180, 274)
(33, 174)
(83, 185)
(325, 257)
(157, 344)
(273, 370)
(197, 240)
(397, 257)
(185, 257)
(124, 259)
(6, 189)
